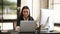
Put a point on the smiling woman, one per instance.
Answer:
(24, 15)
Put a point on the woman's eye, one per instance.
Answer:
(25, 11)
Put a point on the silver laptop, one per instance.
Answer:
(27, 26)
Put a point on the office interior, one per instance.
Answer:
(45, 12)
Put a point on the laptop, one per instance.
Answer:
(27, 26)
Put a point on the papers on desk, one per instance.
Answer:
(6, 26)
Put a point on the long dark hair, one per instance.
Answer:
(21, 14)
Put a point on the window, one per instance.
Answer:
(9, 9)
(56, 7)
(8, 12)
(0, 9)
(56, 1)
(9, 6)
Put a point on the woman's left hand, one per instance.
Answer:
(38, 28)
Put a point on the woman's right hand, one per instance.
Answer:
(18, 28)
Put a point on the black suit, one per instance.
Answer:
(21, 18)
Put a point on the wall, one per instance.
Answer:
(36, 9)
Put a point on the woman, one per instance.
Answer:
(25, 15)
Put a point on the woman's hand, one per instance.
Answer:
(38, 27)
(18, 28)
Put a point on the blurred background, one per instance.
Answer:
(40, 10)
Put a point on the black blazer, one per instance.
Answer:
(21, 18)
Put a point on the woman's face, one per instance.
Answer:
(25, 12)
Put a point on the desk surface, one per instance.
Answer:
(14, 32)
